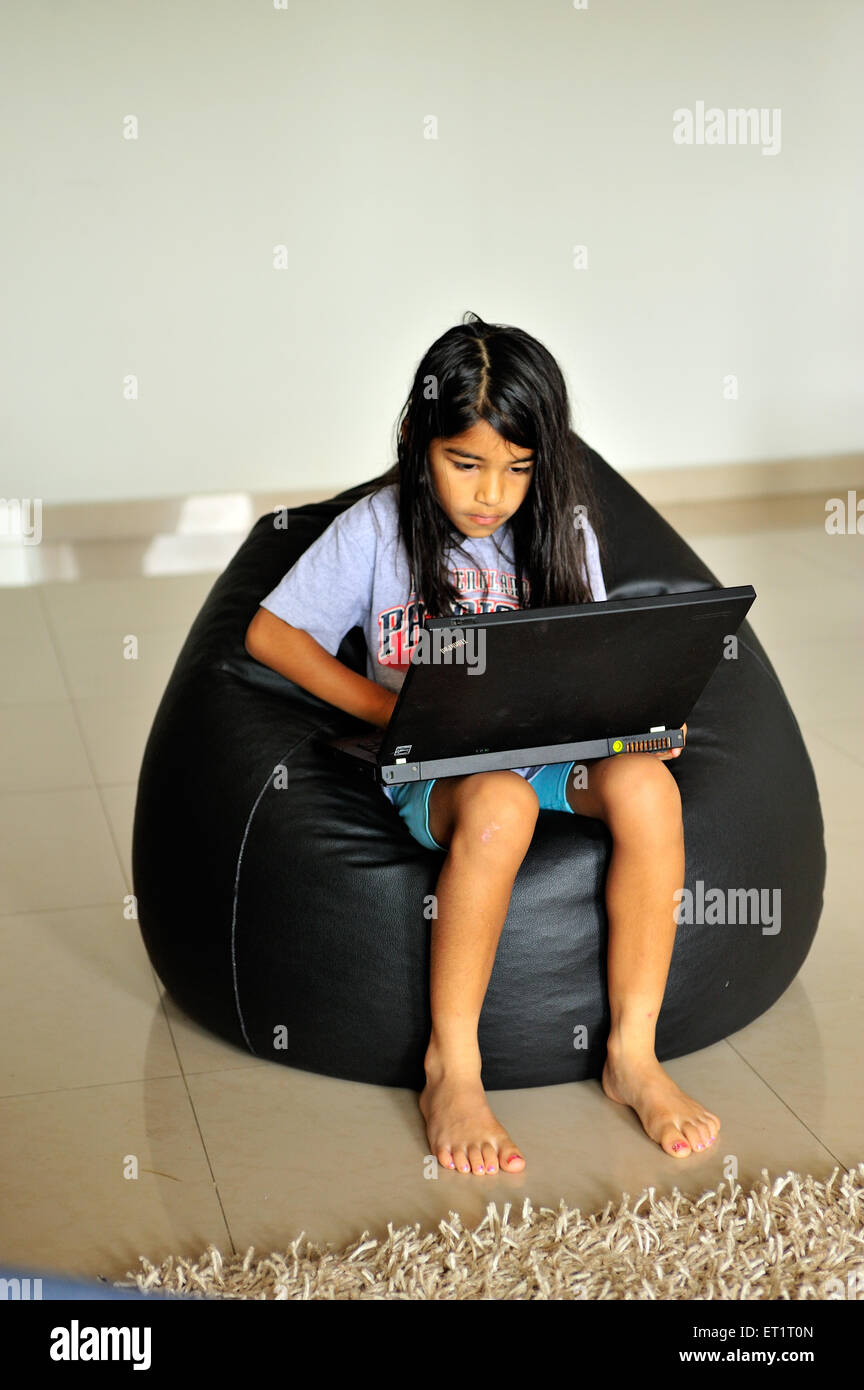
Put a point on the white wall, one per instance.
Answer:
(305, 126)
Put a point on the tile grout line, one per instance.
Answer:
(792, 1112)
(90, 1086)
(47, 911)
(178, 1075)
(46, 613)
(162, 998)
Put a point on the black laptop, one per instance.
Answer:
(547, 685)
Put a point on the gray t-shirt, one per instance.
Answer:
(356, 574)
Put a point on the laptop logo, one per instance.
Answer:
(402, 750)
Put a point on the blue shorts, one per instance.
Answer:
(411, 799)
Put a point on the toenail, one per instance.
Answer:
(678, 1146)
(700, 1146)
(512, 1156)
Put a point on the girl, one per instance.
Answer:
(486, 509)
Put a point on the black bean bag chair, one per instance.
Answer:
(283, 902)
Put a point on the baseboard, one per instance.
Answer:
(236, 513)
(831, 475)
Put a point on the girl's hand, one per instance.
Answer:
(673, 752)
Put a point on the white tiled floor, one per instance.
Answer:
(98, 1069)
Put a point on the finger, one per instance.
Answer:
(675, 752)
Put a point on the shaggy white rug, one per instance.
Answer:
(790, 1238)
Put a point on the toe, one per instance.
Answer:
(693, 1134)
(460, 1158)
(510, 1159)
(707, 1133)
(475, 1157)
(675, 1142)
(490, 1158)
(445, 1158)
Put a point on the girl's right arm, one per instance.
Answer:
(296, 655)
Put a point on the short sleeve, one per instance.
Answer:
(329, 590)
(592, 557)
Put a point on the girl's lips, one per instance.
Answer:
(475, 516)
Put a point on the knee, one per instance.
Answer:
(496, 807)
(643, 796)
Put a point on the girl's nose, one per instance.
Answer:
(489, 497)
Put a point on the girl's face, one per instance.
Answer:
(480, 479)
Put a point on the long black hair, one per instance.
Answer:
(492, 372)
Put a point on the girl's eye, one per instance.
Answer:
(464, 467)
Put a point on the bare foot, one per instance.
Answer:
(669, 1116)
(463, 1133)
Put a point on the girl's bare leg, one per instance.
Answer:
(487, 821)
(638, 799)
